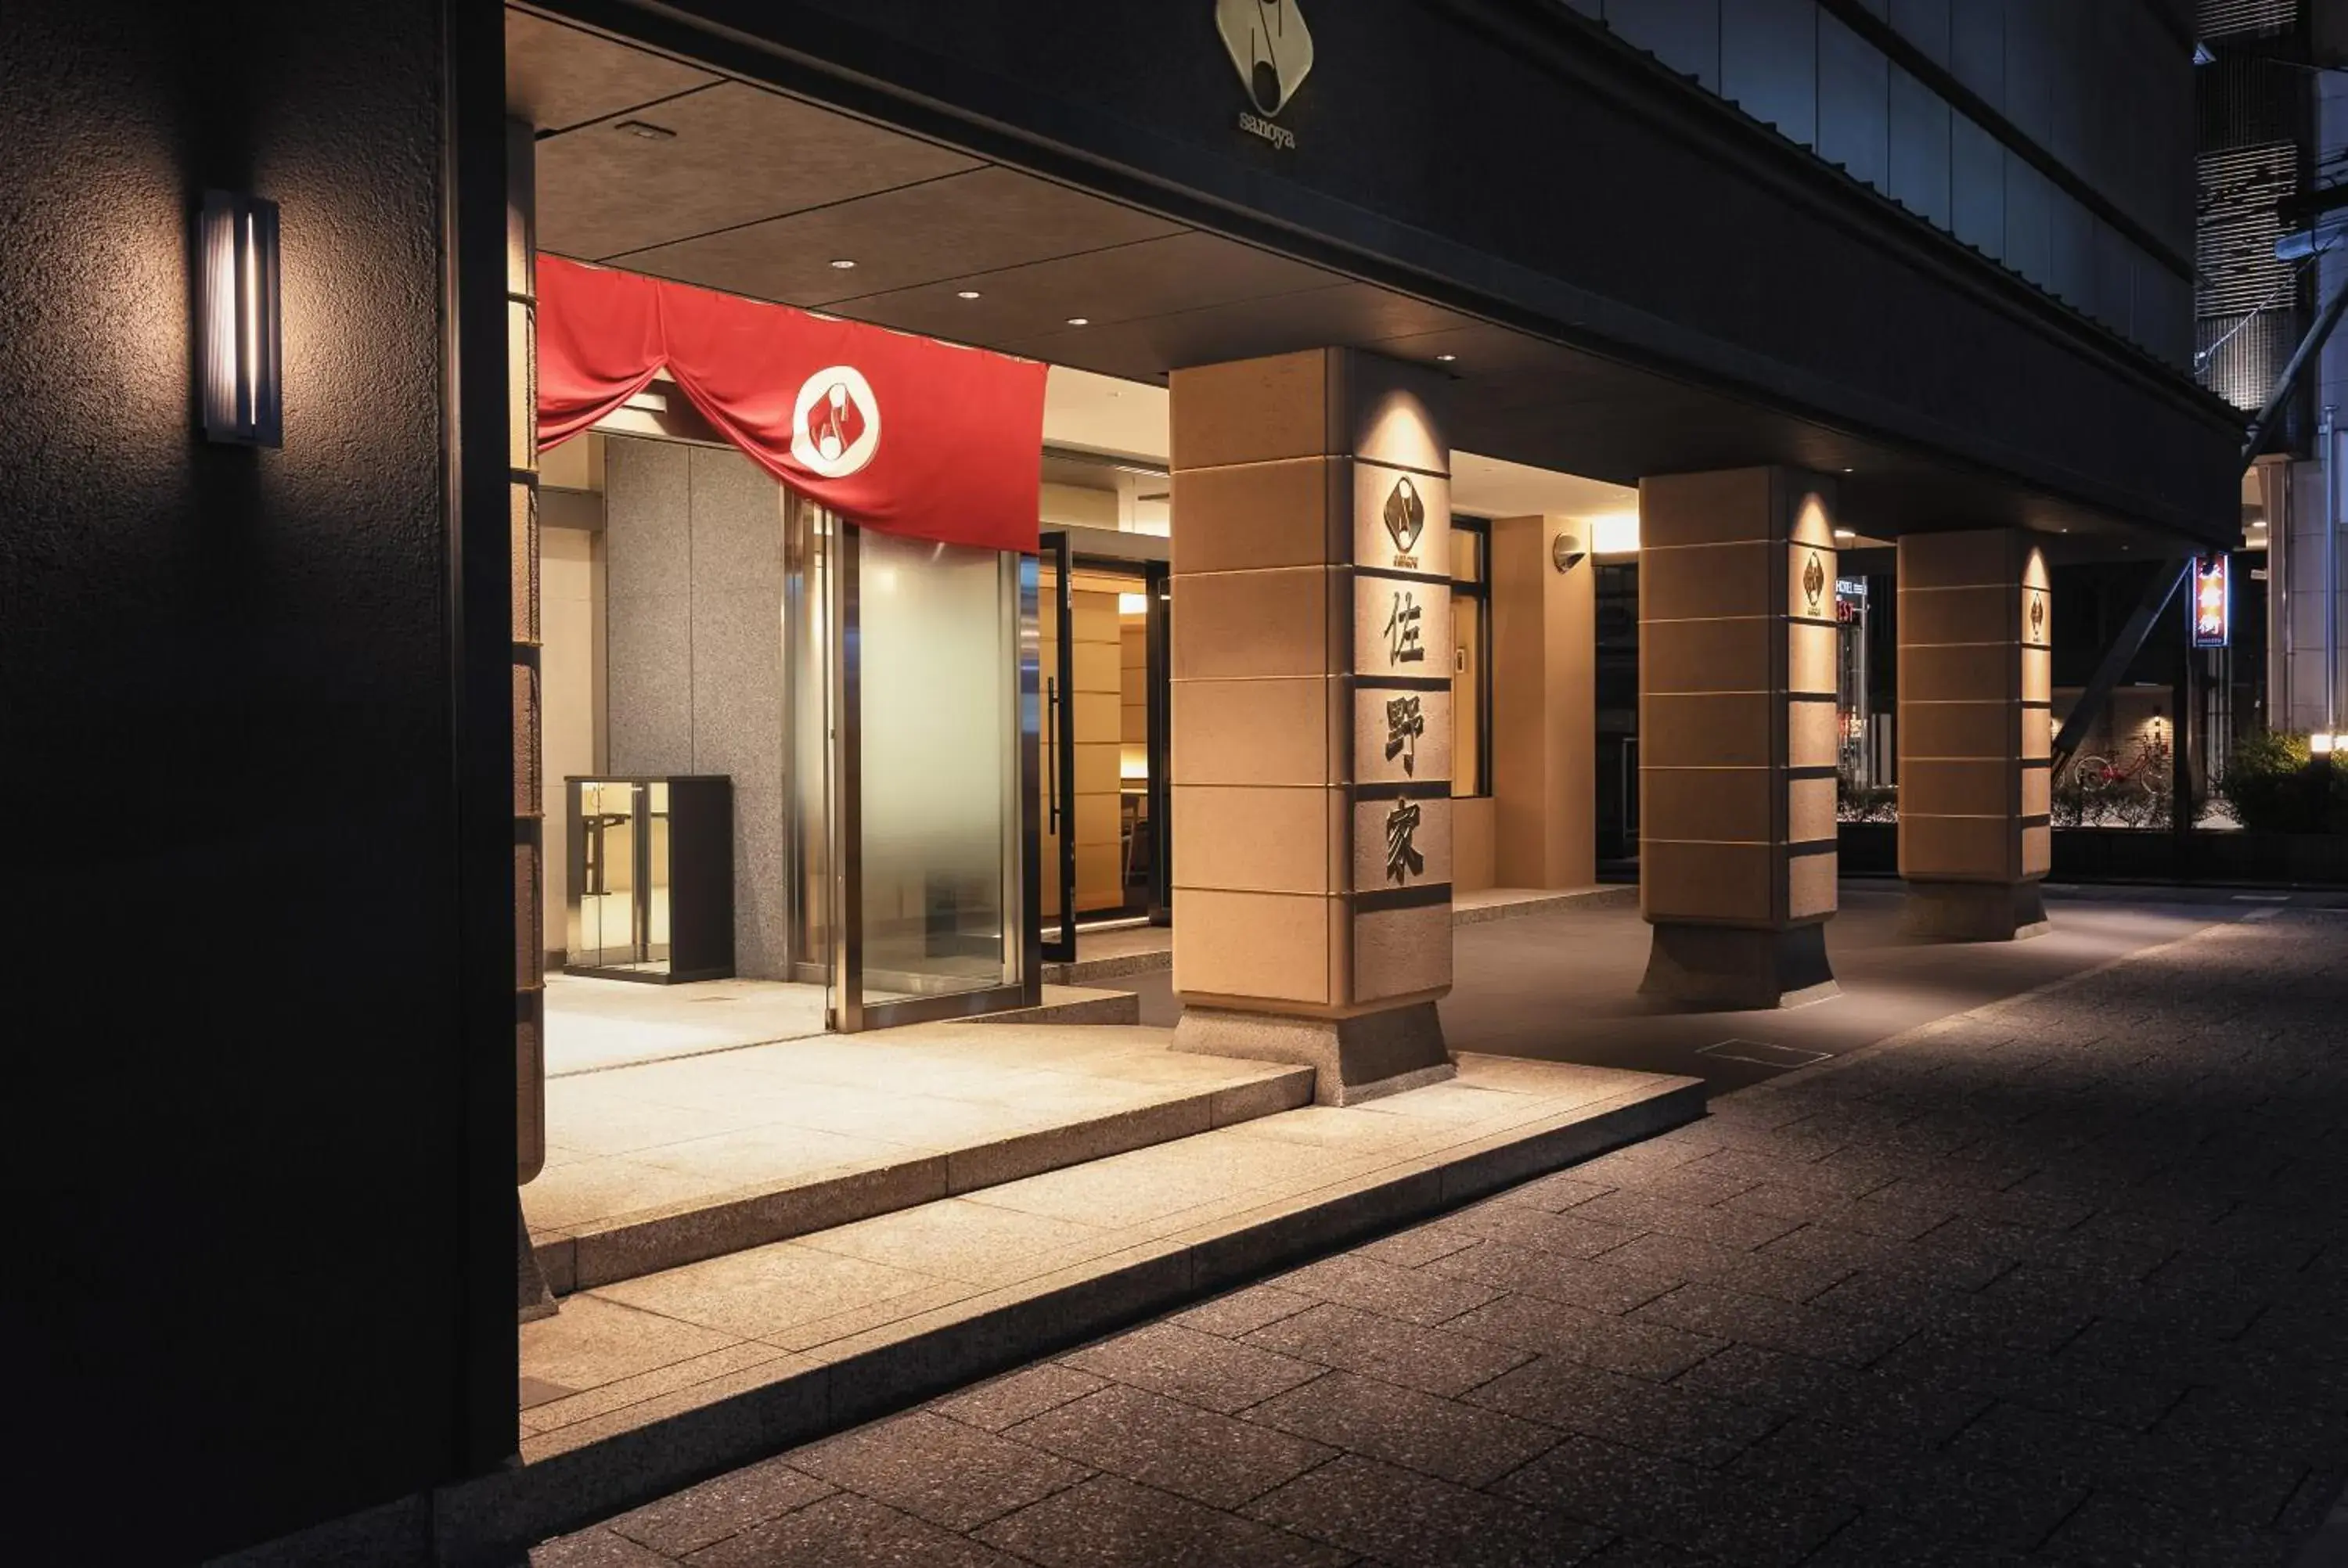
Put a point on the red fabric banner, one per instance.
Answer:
(902, 434)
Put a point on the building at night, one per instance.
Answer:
(862, 500)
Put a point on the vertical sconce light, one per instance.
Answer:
(240, 362)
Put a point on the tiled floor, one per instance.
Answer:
(925, 1108)
(2060, 1280)
(591, 1024)
(640, 1349)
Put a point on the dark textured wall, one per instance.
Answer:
(237, 1144)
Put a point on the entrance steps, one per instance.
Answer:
(1116, 952)
(662, 1164)
(646, 1385)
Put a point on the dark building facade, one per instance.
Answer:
(1931, 259)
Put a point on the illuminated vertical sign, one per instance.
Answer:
(2213, 602)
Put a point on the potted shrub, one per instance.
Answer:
(2274, 786)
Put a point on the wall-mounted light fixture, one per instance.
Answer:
(240, 358)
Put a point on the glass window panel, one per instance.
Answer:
(938, 716)
(1467, 555)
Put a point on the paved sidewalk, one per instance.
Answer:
(2062, 1280)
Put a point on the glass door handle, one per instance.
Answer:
(1052, 747)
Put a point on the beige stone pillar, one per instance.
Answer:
(1312, 691)
(1736, 735)
(1544, 704)
(1975, 734)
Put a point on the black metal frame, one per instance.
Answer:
(1481, 590)
(1058, 717)
(1157, 578)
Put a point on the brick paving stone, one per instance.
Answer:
(1632, 1552)
(1639, 1211)
(1396, 1517)
(1938, 1494)
(2216, 1484)
(1785, 1170)
(1436, 1361)
(1197, 1368)
(1108, 1523)
(1411, 1295)
(845, 1531)
(1242, 1312)
(1877, 1539)
(1615, 1344)
(1723, 1516)
(1734, 1315)
(1668, 1260)
(2126, 1533)
(1444, 1438)
(1174, 1447)
(1417, 1248)
(597, 1549)
(1554, 1193)
(1626, 1410)
(1906, 1410)
(2066, 1386)
(2063, 1282)
(1568, 1234)
(1599, 1286)
(941, 1470)
(1003, 1401)
(703, 1515)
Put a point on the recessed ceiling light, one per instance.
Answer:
(844, 264)
(1846, 533)
(1080, 320)
(1446, 358)
(965, 293)
(646, 130)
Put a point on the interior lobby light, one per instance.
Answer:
(240, 359)
(2320, 744)
(965, 293)
(1446, 358)
(844, 264)
(1616, 534)
(1080, 320)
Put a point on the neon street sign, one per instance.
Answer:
(2213, 602)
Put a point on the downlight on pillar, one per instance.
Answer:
(240, 357)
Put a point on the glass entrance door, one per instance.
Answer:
(935, 771)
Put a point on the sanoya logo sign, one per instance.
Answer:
(836, 423)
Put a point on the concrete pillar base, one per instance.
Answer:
(1734, 968)
(1974, 911)
(1352, 1058)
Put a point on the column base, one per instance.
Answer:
(1352, 1058)
(1974, 911)
(1735, 968)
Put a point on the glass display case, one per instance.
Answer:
(652, 878)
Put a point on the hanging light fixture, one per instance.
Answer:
(238, 355)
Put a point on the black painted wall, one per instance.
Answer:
(244, 1277)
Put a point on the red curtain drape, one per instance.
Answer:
(902, 434)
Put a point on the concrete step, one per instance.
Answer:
(867, 1125)
(1122, 951)
(644, 1387)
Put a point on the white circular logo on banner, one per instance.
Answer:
(835, 427)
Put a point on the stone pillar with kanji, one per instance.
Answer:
(1311, 716)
